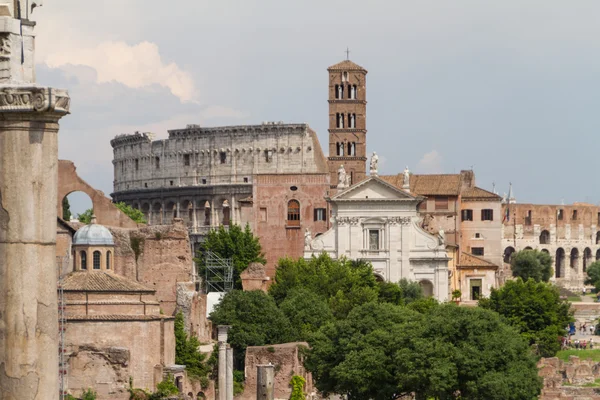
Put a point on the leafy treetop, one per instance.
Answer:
(239, 245)
(535, 310)
(133, 213)
(533, 264)
(593, 273)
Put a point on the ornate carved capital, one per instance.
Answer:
(398, 220)
(34, 99)
(347, 220)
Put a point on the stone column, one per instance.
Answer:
(222, 339)
(29, 116)
(229, 373)
(222, 371)
(265, 382)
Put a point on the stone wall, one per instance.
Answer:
(287, 361)
(565, 380)
(272, 194)
(569, 233)
(156, 256)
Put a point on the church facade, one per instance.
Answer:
(377, 222)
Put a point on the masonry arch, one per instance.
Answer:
(545, 251)
(598, 237)
(146, 210)
(427, 287)
(105, 211)
(378, 277)
(574, 259)
(508, 252)
(528, 248)
(545, 237)
(559, 263)
(77, 203)
(587, 258)
(170, 211)
(293, 213)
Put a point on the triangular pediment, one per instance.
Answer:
(374, 188)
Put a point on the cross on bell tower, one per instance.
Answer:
(347, 120)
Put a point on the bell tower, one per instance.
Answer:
(347, 121)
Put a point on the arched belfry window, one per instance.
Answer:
(97, 257)
(293, 217)
(108, 260)
(83, 256)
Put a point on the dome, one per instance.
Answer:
(93, 234)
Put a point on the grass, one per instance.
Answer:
(593, 355)
(574, 299)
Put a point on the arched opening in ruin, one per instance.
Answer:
(587, 258)
(77, 204)
(528, 248)
(574, 260)
(545, 237)
(598, 237)
(598, 255)
(545, 251)
(379, 278)
(427, 287)
(508, 252)
(146, 210)
(559, 263)
(226, 213)
(170, 211)
(187, 212)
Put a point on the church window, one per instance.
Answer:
(320, 214)
(97, 256)
(466, 215)
(487, 215)
(340, 149)
(157, 162)
(373, 239)
(353, 92)
(477, 251)
(83, 256)
(352, 120)
(478, 236)
(186, 159)
(108, 260)
(441, 203)
(345, 76)
(223, 156)
(574, 215)
(293, 214)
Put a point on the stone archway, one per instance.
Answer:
(559, 268)
(427, 287)
(105, 211)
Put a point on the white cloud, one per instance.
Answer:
(136, 66)
(430, 163)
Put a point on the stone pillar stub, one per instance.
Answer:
(29, 118)
(222, 371)
(265, 382)
(229, 374)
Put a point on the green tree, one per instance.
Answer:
(593, 273)
(533, 264)
(186, 351)
(66, 213)
(306, 311)
(401, 293)
(343, 283)
(535, 310)
(86, 216)
(89, 395)
(383, 351)
(133, 213)
(255, 320)
(239, 245)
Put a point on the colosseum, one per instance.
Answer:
(273, 177)
(569, 233)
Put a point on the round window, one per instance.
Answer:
(293, 188)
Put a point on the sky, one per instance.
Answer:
(509, 88)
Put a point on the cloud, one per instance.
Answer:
(136, 66)
(430, 163)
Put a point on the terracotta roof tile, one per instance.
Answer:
(470, 261)
(427, 185)
(346, 65)
(99, 281)
(479, 193)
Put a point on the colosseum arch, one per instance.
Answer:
(587, 258)
(574, 259)
(559, 260)
(106, 212)
(545, 237)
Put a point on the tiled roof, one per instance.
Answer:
(346, 65)
(471, 261)
(479, 193)
(99, 281)
(427, 185)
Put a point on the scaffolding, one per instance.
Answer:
(62, 264)
(218, 273)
